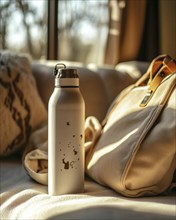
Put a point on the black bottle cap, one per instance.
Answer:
(65, 77)
(61, 71)
(67, 73)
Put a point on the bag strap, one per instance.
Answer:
(158, 70)
(160, 67)
(164, 61)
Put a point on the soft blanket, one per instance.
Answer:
(24, 199)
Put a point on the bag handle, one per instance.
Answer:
(160, 67)
(154, 67)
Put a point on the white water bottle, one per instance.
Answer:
(66, 115)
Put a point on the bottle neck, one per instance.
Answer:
(66, 82)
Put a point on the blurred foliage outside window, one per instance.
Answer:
(23, 26)
(82, 28)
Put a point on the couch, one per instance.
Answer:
(24, 198)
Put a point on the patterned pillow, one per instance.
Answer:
(21, 108)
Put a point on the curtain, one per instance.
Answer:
(126, 26)
(151, 38)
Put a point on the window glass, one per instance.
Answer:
(82, 30)
(23, 26)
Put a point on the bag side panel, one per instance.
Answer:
(153, 166)
(122, 136)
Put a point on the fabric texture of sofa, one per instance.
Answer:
(23, 198)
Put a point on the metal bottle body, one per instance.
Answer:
(66, 114)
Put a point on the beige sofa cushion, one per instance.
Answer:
(91, 87)
(99, 85)
(21, 108)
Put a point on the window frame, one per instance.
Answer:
(52, 36)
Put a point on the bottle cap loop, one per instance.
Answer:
(65, 77)
(57, 67)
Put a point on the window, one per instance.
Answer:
(23, 26)
(82, 30)
(75, 30)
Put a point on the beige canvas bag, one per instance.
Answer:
(135, 154)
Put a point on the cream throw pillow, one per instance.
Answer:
(21, 108)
